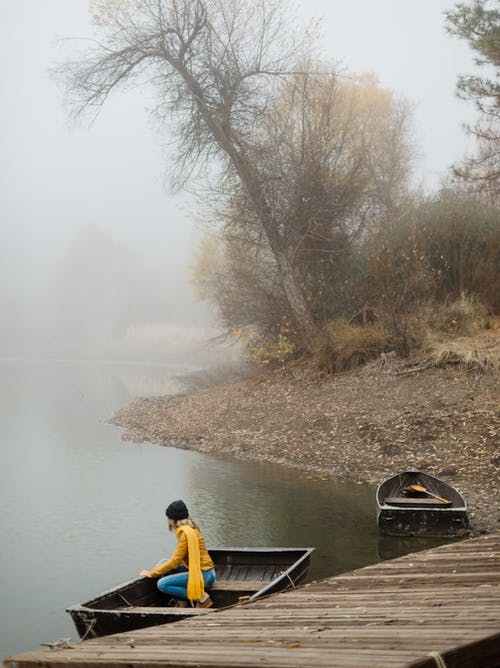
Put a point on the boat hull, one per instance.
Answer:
(97, 623)
(425, 523)
(242, 574)
(397, 516)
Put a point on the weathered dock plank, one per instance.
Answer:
(430, 609)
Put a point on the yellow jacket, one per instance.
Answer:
(180, 556)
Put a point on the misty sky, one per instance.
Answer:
(54, 179)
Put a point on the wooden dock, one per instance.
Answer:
(434, 609)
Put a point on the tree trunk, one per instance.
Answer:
(302, 314)
(299, 308)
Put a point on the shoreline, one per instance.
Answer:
(364, 425)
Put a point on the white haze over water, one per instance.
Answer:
(94, 250)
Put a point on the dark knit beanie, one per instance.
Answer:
(177, 510)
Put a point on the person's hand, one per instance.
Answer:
(145, 574)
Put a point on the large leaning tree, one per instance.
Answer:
(334, 155)
(214, 65)
(478, 22)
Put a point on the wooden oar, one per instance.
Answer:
(421, 488)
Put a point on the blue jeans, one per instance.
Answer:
(175, 583)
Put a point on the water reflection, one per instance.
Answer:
(391, 547)
(272, 505)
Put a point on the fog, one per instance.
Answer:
(95, 251)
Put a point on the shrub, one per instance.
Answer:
(399, 278)
(459, 235)
(265, 351)
(464, 316)
(343, 345)
(433, 266)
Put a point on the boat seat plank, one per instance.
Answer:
(181, 612)
(239, 585)
(415, 501)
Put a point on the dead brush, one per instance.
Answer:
(465, 315)
(460, 332)
(467, 355)
(342, 345)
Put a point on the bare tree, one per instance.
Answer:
(333, 158)
(214, 65)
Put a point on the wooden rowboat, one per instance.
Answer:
(413, 503)
(243, 573)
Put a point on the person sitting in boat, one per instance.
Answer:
(190, 568)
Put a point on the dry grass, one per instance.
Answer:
(481, 355)
(464, 316)
(457, 332)
(461, 333)
(342, 346)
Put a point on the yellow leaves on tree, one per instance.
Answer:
(106, 12)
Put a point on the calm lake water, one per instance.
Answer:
(82, 511)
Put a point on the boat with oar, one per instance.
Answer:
(243, 574)
(413, 503)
